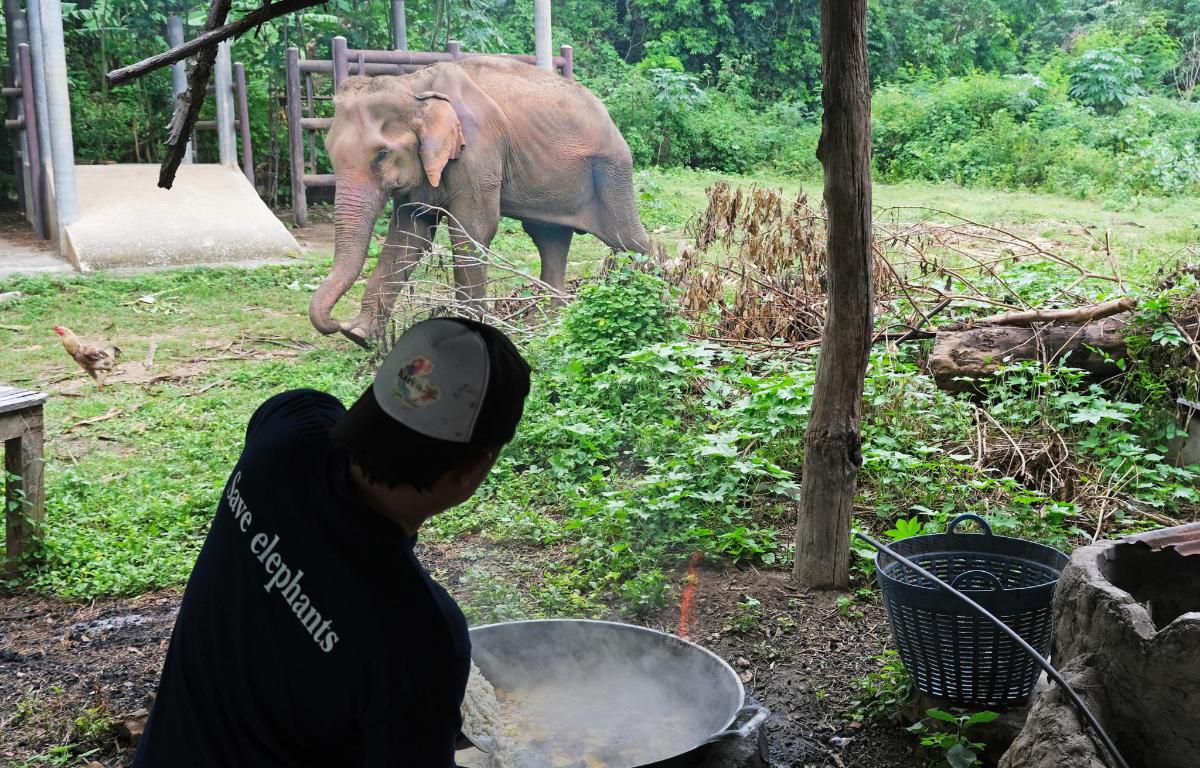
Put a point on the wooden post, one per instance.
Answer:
(296, 138)
(832, 445)
(341, 65)
(568, 67)
(243, 120)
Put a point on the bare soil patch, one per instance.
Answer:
(797, 653)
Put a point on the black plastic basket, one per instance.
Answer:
(949, 650)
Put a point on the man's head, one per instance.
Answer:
(445, 401)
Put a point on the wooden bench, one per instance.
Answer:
(21, 431)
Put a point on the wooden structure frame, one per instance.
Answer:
(346, 61)
(21, 431)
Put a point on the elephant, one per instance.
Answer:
(468, 141)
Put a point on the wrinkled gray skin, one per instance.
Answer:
(481, 138)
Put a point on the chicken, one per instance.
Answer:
(97, 361)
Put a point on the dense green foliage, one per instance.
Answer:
(1086, 97)
(640, 446)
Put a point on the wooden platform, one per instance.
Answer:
(21, 432)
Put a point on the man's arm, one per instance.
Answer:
(407, 744)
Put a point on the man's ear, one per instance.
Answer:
(475, 472)
(441, 135)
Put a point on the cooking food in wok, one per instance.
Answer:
(587, 694)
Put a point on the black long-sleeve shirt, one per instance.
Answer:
(309, 634)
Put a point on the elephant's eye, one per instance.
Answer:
(380, 156)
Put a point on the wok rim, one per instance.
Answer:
(728, 669)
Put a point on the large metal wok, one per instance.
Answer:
(597, 694)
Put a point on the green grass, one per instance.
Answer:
(129, 497)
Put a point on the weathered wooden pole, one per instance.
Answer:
(541, 34)
(832, 445)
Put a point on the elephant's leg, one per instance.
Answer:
(553, 242)
(408, 240)
(472, 227)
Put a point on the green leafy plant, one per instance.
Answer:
(1105, 79)
(624, 312)
(880, 693)
(947, 736)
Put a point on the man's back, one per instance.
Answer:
(308, 634)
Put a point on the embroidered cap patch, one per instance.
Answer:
(413, 386)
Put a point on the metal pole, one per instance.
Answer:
(399, 26)
(1000, 625)
(58, 108)
(178, 71)
(243, 126)
(296, 138)
(35, 199)
(42, 134)
(541, 34)
(223, 80)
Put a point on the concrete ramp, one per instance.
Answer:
(212, 215)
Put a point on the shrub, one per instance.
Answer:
(622, 313)
(1105, 79)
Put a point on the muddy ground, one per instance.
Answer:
(84, 675)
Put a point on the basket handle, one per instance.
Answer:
(995, 581)
(987, 529)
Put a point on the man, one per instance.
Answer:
(309, 634)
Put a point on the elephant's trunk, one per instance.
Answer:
(356, 205)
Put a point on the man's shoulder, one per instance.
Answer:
(295, 413)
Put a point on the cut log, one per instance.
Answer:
(961, 358)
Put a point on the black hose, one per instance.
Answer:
(1041, 661)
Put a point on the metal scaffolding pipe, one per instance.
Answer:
(223, 79)
(399, 26)
(37, 60)
(35, 199)
(178, 71)
(541, 34)
(58, 108)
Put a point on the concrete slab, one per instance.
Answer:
(212, 215)
(21, 253)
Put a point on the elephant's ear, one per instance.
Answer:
(441, 135)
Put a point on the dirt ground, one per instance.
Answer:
(66, 668)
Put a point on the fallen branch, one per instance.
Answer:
(187, 111)
(1073, 316)
(213, 34)
(112, 413)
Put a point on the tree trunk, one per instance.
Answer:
(832, 454)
